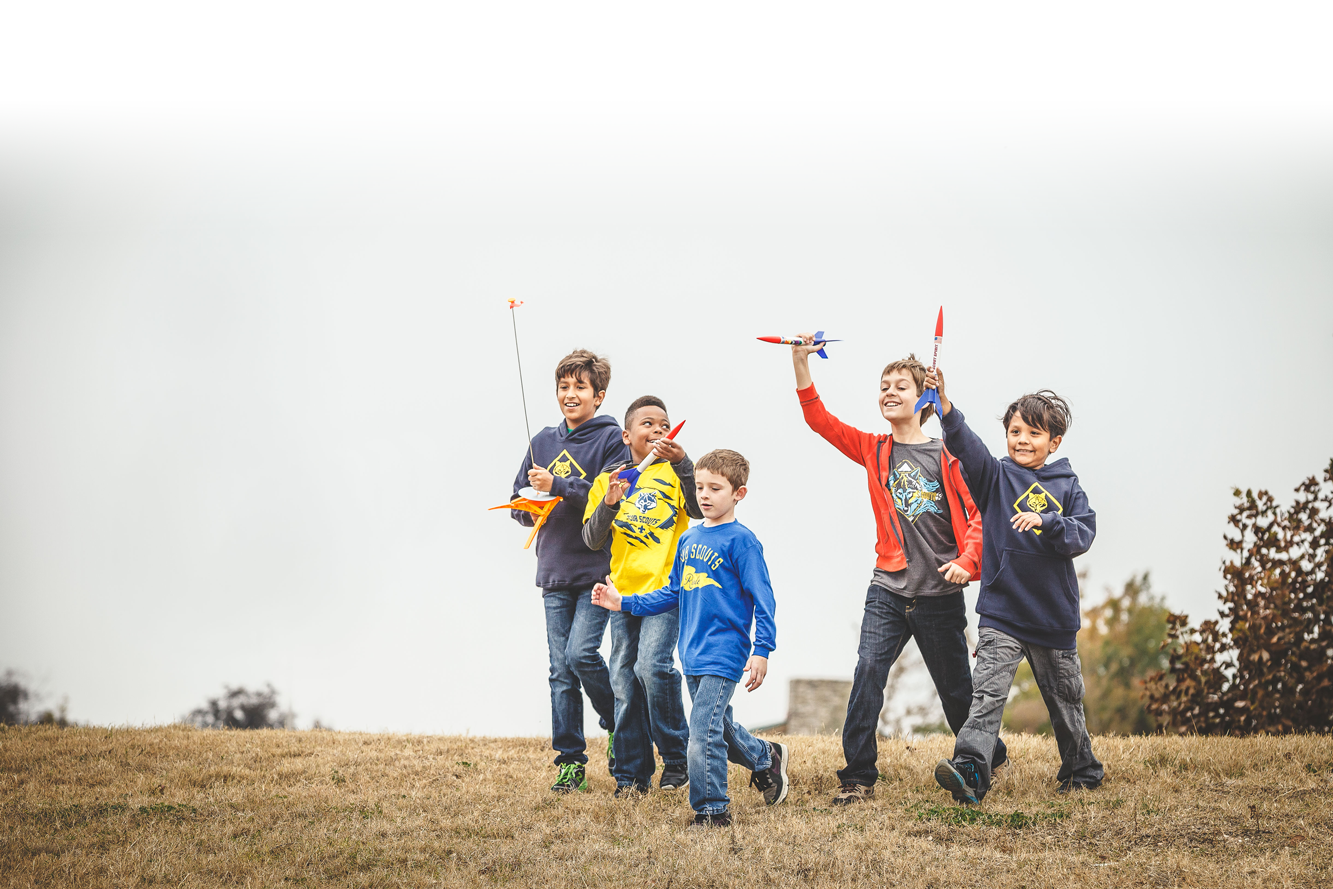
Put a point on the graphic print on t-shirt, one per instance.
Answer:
(564, 466)
(1037, 499)
(914, 495)
(650, 510)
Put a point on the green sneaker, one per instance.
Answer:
(610, 753)
(571, 778)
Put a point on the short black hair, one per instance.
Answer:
(1043, 410)
(644, 401)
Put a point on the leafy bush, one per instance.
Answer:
(238, 707)
(1267, 664)
(13, 699)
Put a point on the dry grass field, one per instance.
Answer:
(179, 806)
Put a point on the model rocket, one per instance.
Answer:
(632, 475)
(536, 502)
(797, 341)
(932, 396)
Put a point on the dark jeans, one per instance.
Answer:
(574, 629)
(889, 621)
(1059, 676)
(650, 705)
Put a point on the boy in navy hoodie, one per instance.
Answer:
(719, 582)
(1035, 520)
(568, 457)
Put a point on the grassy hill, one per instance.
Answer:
(178, 806)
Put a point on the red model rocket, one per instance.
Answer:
(632, 475)
(796, 341)
(932, 396)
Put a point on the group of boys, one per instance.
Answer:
(619, 549)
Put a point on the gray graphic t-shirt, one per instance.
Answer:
(917, 490)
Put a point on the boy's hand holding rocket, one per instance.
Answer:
(935, 380)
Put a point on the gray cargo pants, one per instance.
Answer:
(1059, 676)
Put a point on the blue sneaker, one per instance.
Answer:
(960, 780)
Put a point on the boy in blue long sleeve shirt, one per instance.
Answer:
(720, 583)
(1035, 519)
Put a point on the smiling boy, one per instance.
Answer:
(643, 530)
(1036, 520)
(719, 587)
(928, 548)
(567, 456)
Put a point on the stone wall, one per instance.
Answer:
(817, 706)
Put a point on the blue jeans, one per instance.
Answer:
(714, 739)
(574, 628)
(889, 622)
(649, 703)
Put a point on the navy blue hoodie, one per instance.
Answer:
(1028, 586)
(574, 458)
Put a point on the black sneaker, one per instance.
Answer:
(674, 777)
(772, 781)
(705, 822)
(631, 791)
(960, 780)
(571, 778)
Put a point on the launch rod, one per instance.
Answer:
(521, 388)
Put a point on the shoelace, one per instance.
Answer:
(568, 774)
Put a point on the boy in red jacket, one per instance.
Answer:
(928, 548)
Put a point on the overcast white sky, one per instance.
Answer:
(256, 375)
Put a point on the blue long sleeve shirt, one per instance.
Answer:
(1029, 589)
(720, 583)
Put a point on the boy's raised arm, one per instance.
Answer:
(965, 444)
(847, 439)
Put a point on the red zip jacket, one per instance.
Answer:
(873, 452)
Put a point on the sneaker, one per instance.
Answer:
(674, 777)
(704, 822)
(631, 791)
(1067, 786)
(852, 792)
(772, 781)
(571, 778)
(610, 753)
(960, 780)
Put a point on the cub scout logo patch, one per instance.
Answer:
(645, 501)
(693, 580)
(1037, 499)
(564, 466)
